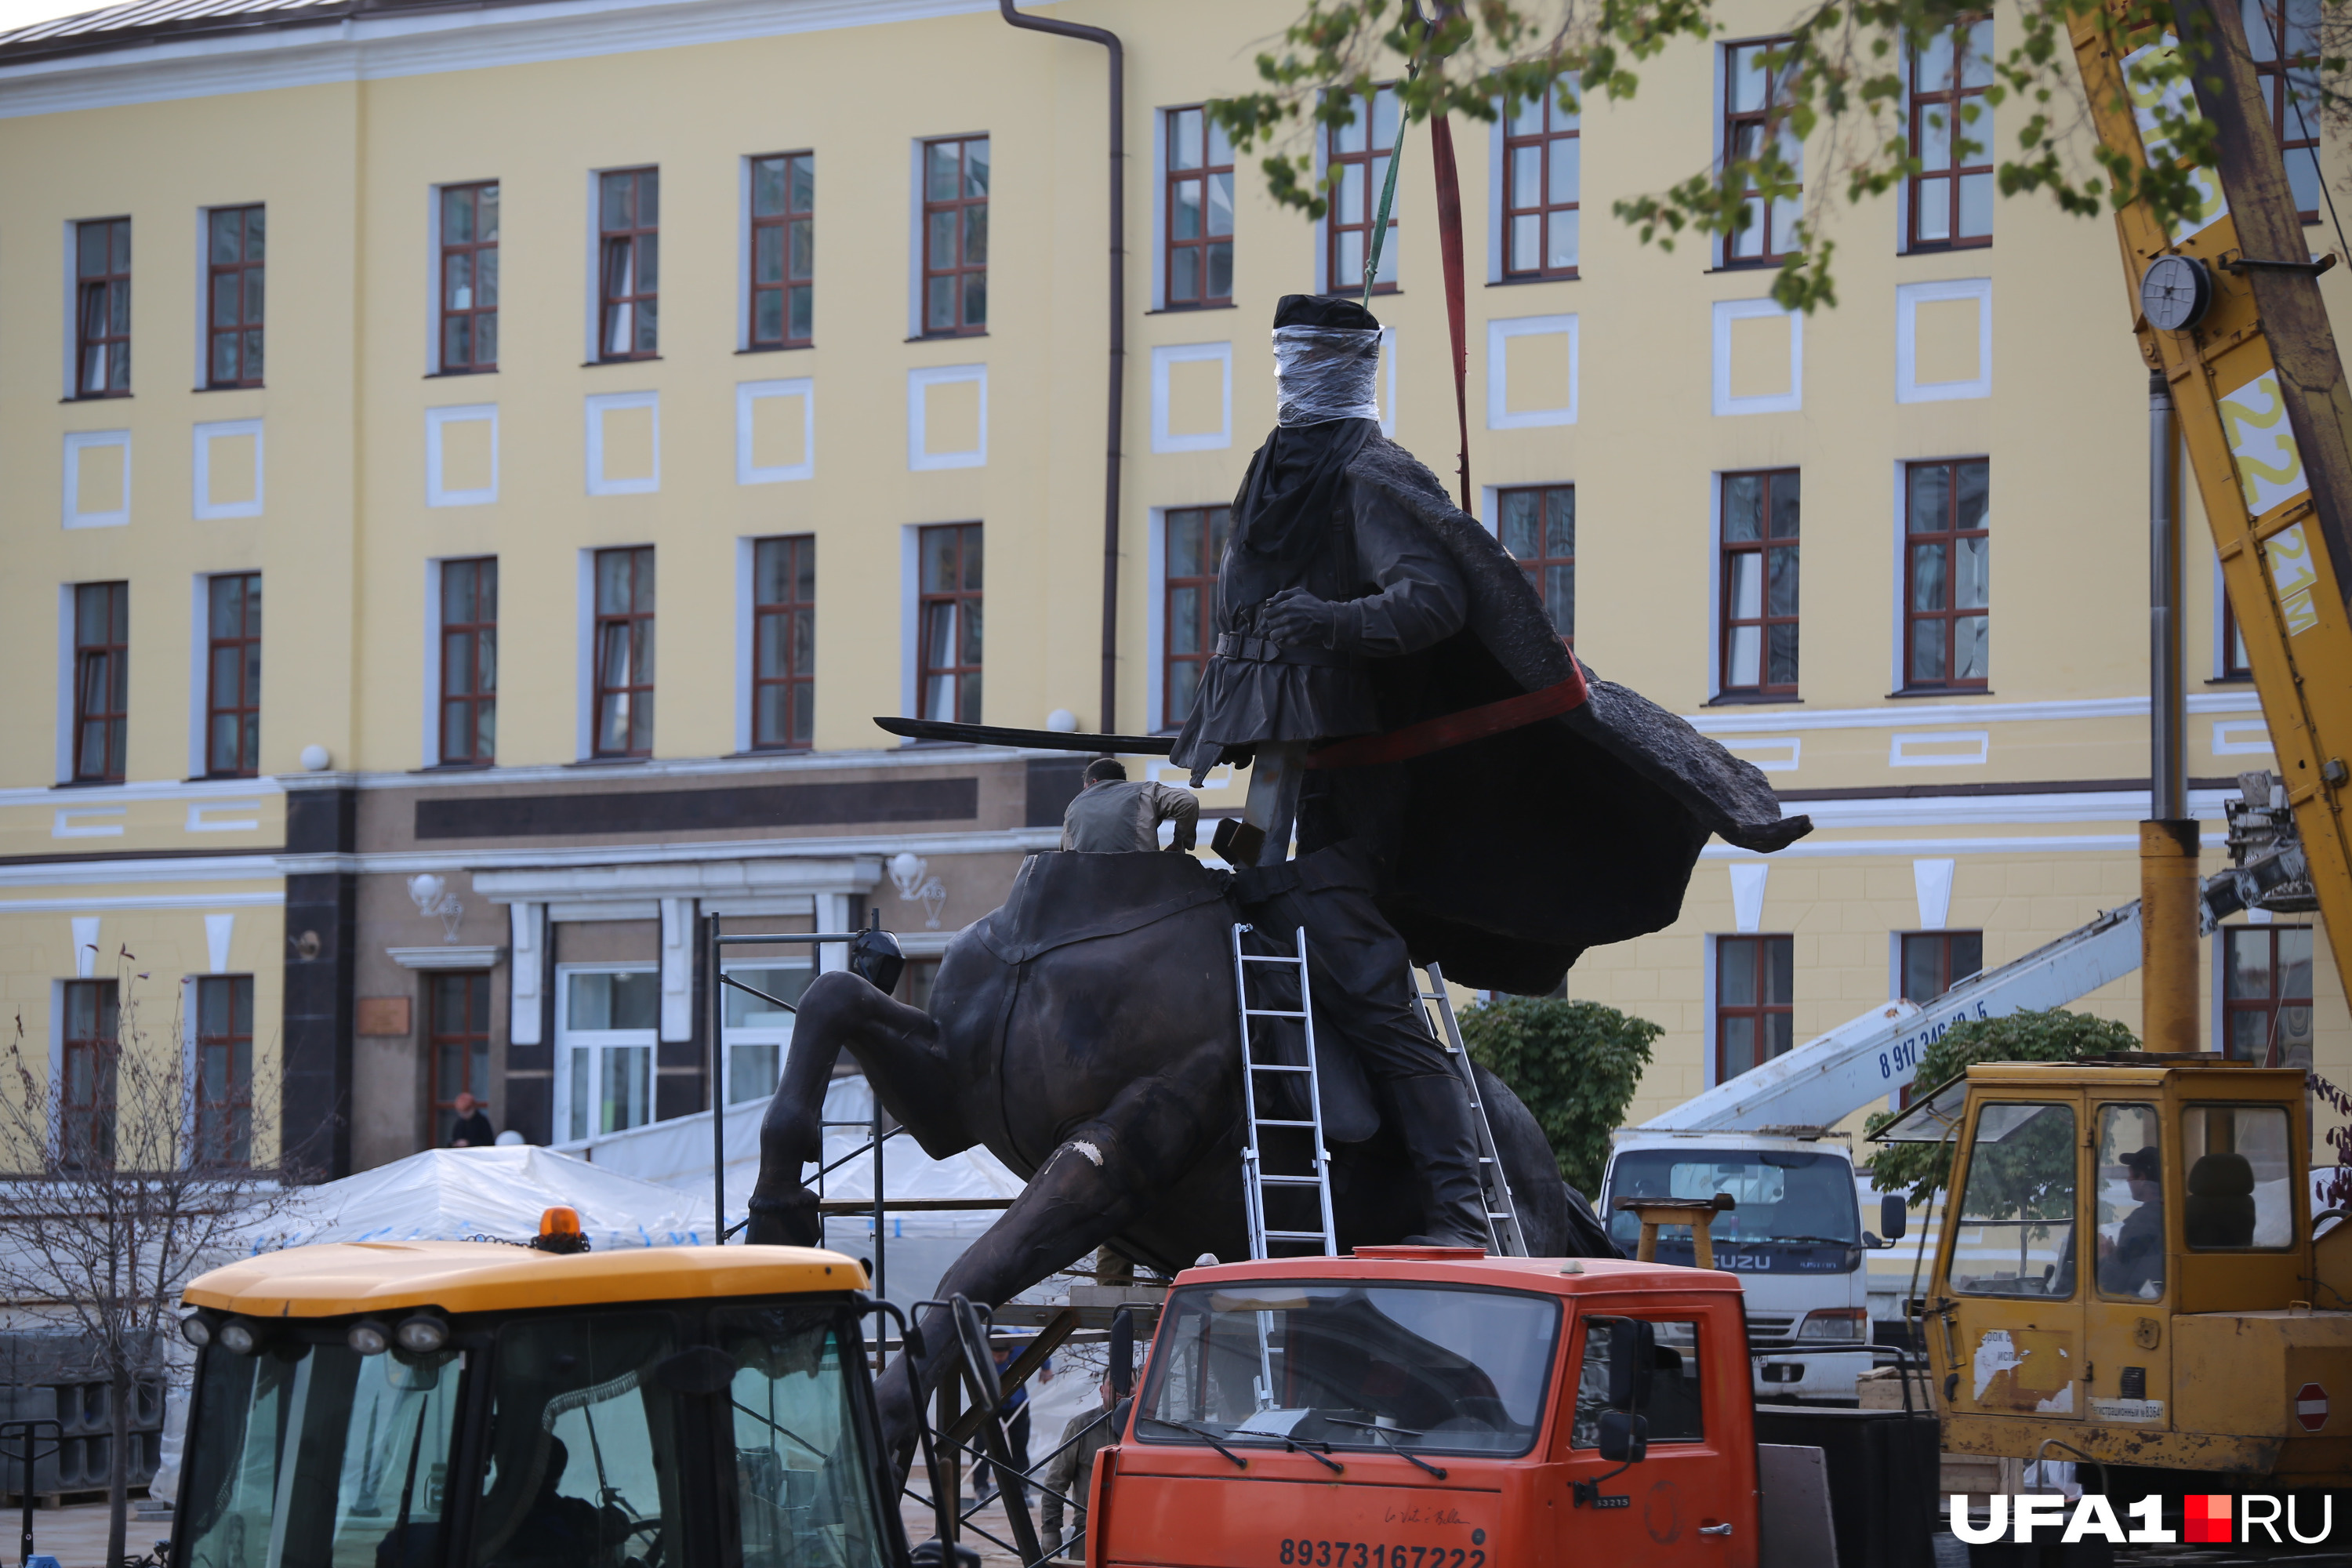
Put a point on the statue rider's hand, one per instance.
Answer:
(1297, 616)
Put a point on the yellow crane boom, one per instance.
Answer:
(2226, 307)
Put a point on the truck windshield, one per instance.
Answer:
(372, 1435)
(1789, 1197)
(1418, 1367)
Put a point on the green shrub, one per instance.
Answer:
(1575, 1065)
(2050, 1035)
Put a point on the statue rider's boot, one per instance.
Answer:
(1435, 1112)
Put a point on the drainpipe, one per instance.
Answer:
(1109, 722)
(2167, 841)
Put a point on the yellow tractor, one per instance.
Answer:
(2127, 1272)
(383, 1406)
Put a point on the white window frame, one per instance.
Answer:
(567, 1039)
(739, 1035)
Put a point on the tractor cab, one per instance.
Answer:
(430, 1404)
(2126, 1268)
(1432, 1407)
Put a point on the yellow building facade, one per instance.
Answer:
(775, 391)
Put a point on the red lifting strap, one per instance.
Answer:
(1449, 247)
(1455, 729)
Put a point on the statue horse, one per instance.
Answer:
(1086, 1035)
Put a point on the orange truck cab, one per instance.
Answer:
(1433, 1407)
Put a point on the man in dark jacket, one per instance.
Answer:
(1323, 581)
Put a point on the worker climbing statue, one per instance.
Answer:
(1464, 790)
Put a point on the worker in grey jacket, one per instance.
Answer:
(1116, 816)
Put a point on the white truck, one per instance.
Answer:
(1795, 1237)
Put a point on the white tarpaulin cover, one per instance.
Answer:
(677, 1153)
(449, 1195)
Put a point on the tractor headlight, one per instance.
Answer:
(367, 1337)
(240, 1336)
(422, 1334)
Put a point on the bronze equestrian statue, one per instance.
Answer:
(1462, 790)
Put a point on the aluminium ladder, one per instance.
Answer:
(1259, 1056)
(1501, 1218)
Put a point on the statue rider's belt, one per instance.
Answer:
(1265, 650)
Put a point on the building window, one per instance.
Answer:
(1758, 634)
(1542, 188)
(783, 643)
(628, 267)
(2266, 994)
(2234, 663)
(1200, 215)
(625, 652)
(2283, 38)
(1360, 151)
(1195, 543)
(233, 676)
(469, 277)
(102, 678)
(1935, 961)
(1755, 98)
(458, 1037)
(102, 308)
(1947, 574)
(234, 313)
(949, 630)
(1754, 976)
(225, 1071)
(783, 250)
(955, 236)
(470, 662)
(1540, 531)
(604, 1032)
(757, 1031)
(1951, 136)
(88, 1052)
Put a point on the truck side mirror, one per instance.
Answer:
(1122, 1351)
(1633, 1358)
(1624, 1439)
(1894, 1216)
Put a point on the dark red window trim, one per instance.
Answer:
(457, 1020)
(469, 278)
(89, 1049)
(102, 308)
(1559, 135)
(623, 717)
(1774, 551)
(1744, 130)
(1199, 181)
(783, 253)
(223, 1086)
(1932, 558)
(1356, 196)
(232, 676)
(1192, 545)
(102, 681)
(1766, 956)
(949, 630)
(628, 264)
(1938, 189)
(955, 237)
(235, 308)
(783, 643)
(469, 661)
(1535, 541)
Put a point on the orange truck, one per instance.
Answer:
(1434, 1408)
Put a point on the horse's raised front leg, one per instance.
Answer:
(906, 1062)
(1106, 1172)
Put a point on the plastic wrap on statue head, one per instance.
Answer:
(1327, 352)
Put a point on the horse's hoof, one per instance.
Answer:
(790, 1221)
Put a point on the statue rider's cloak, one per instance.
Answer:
(1503, 857)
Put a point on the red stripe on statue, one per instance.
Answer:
(1457, 729)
